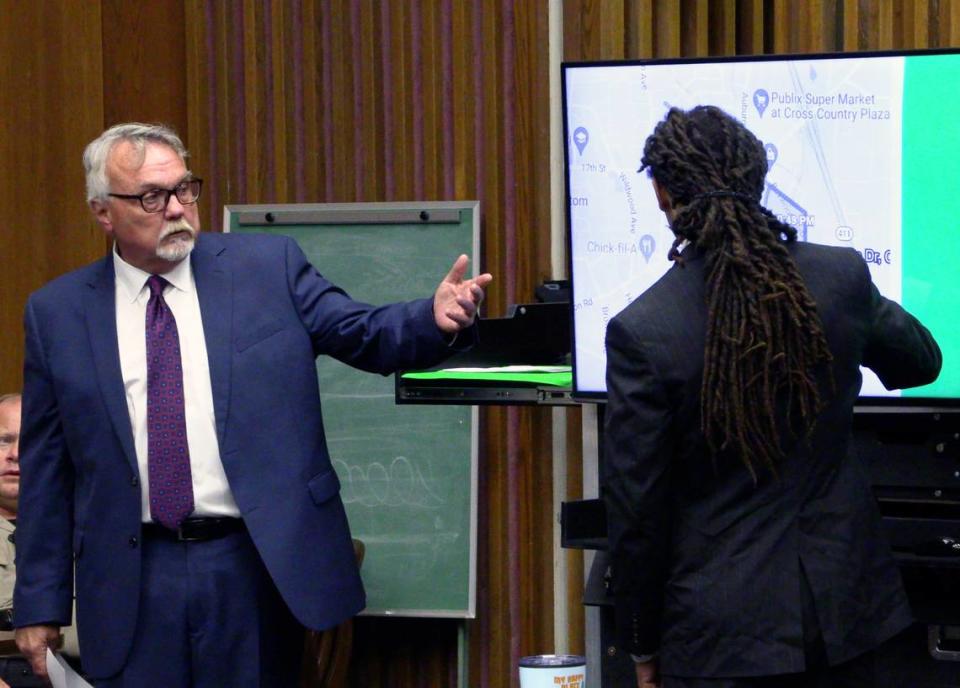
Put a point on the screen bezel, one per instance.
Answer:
(865, 404)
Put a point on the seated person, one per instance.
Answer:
(15, 670)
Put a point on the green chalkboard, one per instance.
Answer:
(408, 473)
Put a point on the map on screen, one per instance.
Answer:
(855, 158)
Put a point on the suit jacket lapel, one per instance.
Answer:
(215, 292)
(101, 317)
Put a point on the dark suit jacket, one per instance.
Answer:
(706, 564)
(266, 315)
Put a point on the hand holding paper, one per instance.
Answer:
(61, 674)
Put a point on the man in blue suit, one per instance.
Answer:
(173, 450)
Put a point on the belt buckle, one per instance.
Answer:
(184, 536)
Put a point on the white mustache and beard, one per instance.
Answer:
(176, 240)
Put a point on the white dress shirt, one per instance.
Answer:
(211, 492)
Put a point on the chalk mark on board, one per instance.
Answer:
(400, 484)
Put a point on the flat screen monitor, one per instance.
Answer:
(863, 150)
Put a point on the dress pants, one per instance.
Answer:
(17, 673)
(210, 616)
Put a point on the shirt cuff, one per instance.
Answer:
(643, 659)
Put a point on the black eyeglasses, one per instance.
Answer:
(155, 200)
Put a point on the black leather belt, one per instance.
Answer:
(196, 529)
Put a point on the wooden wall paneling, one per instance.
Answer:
(804, 26)
(594, 29)
(831, 26)
(639, 29)
(851, 25)
(490, 634)
(491, 645)
(611, 29)
(491, 533)
(584, 15)
(389, 652)
(750, 27)
(411, 94)
(446, 39)
(899, 32)
(343, 143)
(294, 122)
(694, 35)
(252, 112)
(401, 102)
(231, 129)
(416, 97)
(51, 68)
(229, 41)
(778, 26)
(327, 86)
(271, 124)
(508, 157)
(934, 31)
(486, 639)
(201, 107)
(309, 145)
(531, 117)
(353, 52)
(885, 25)
(667, 30)
(430, 101)
(536, 75)
(814, 27)
(576, 612)
(916, 24)
(869, 17)
(500, 612)
(573, 33)
(143, 63)
(490, 158)
(722, 27)
(279, 89)
(225, 159)
(536, 544)
(323, 87)
(370, 84)
(801, 26)
(464, 104)
(944, 25)
(532, 149)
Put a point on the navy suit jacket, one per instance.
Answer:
(709, 567)
(267, 314)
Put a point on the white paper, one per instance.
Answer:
(62, 674)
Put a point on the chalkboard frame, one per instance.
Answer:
(270, 217)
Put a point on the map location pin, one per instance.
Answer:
(580, 138)
(771, 154)
(760, 100)
(647, 246)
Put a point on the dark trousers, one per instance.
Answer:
(210, 616)
(17, 673)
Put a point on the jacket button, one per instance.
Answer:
(133, 541)
(135, 481)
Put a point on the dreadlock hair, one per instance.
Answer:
(764, 339)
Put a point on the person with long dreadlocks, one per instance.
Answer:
(745, 543)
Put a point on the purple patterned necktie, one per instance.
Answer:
(168, 457)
